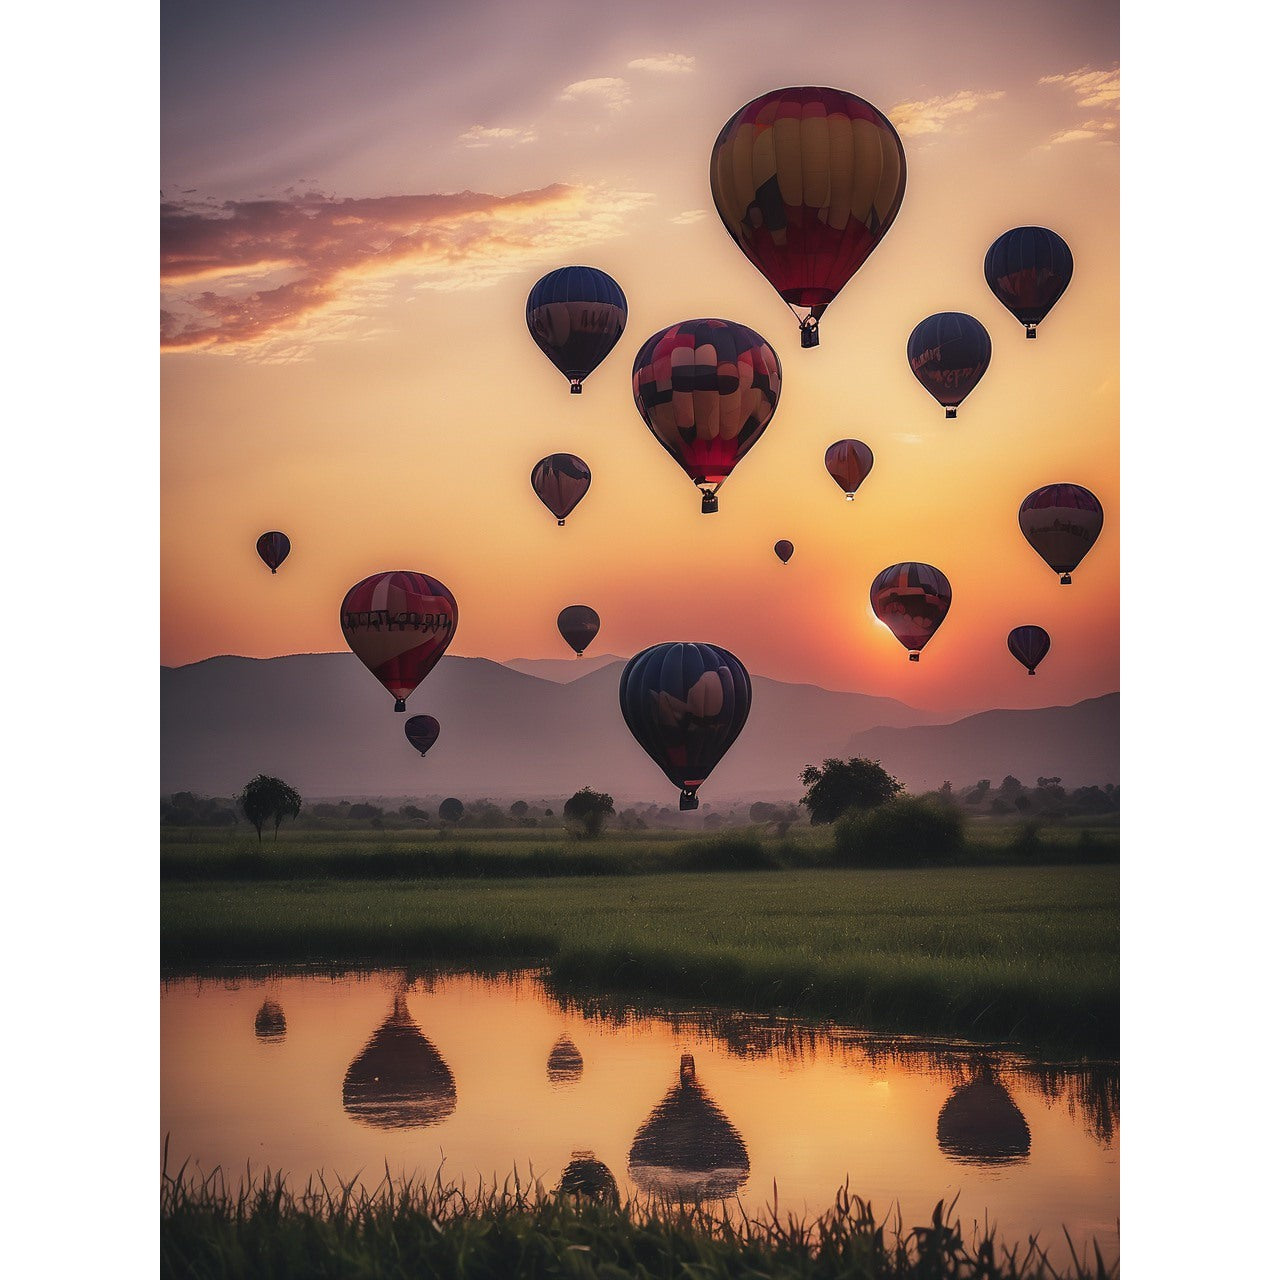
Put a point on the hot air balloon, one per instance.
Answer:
(561, 481)
(911, 600)
(422, 732)
(849, 463)
(808, 181)
(949, 352)
(399, 1080)
(707, 389)
(1029, 269)
(784, 550)
(1029, 645)
(578, 624)
(980, 1124)
(687, 1150)
(576, 315)
(399, 624)
(564, 1063)
(685, 704)
(588, 1178)
(1062, 522)
(273, 548)
(268, 1022)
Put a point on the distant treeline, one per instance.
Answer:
(1048, 800)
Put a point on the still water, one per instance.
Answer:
(488, 1077)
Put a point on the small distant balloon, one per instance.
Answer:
(1062, 522)
(948, 353)
(784, 550)
(912, 601)
(685, 704)
(1028, 269)
(1030, 645)
(576, 316)
(422, 732)
(807, 181)
(273, 548)
(578, 624)
(707, 389)
(849, 463)
(561, 481)
(399, 624)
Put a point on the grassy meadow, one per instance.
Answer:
(1002, 950)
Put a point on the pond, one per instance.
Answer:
(484, 1078)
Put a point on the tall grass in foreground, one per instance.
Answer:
(208, 1231)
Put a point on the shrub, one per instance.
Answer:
(725, 853)
(902, 833)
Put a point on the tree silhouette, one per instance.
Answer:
(269, 800)
(451, 809)
(587, 810)
(841, 785)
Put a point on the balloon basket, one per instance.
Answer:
(1031, 671)
(688, 800)
(560, 522)
(1031, 331)
(808, 336)
(399, 704)
(273, 573)
(913, 657)
(1065, 580)
(575, 388)
(710, 504)
(848, 497)
(951, 411)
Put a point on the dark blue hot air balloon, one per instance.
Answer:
(1029, 645)
(685, 704)
(273, 547)
(576, 315)
(1029, 269)
(422, 732)
(949, 352)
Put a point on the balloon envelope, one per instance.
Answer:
(784, 550)
(685, 704)
(578, 624)
(422, 732)
(1029, 269)
(576, 316)
(949, 352)
(561, 481)
(808, 181)
(1062, 522)
(849, 462)
(1030, 645)
(707, 389)
(273, 547)
(912, 601)
(399, 624)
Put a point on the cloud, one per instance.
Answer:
(688, 217)
(1089, 129)
(609, 91)
(283, 274)
(480, 135)
(1092, 88)
(671, 63)
(932, 115)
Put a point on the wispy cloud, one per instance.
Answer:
(1092, 88)
(933, 115)
(665, 62)
(480, 135)
(689, 216)
(1105, 129)
(282, 274)
(609, 91)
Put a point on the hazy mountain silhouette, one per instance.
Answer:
(562, 670)
(1079, 744)
(322, 722)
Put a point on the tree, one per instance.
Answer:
(269, 800)
(451, 809)
(519, 809)
(841, 785)
(362, 812)
(587, 810)
(901, 834)
(762, 811)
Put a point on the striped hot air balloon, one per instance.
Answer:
(561, 481)
(273, 548)
(912, 600)
(1061, 522)
(1028, 269)
(948, 353)
(576, 316)
(1030, 645)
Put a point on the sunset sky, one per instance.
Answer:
(359, 199)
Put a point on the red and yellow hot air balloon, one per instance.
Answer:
(399, 624)
(808, 181)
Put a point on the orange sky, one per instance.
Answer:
(387, 414)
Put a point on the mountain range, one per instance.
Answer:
(545, 727)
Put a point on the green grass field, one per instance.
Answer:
(1029, 953)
